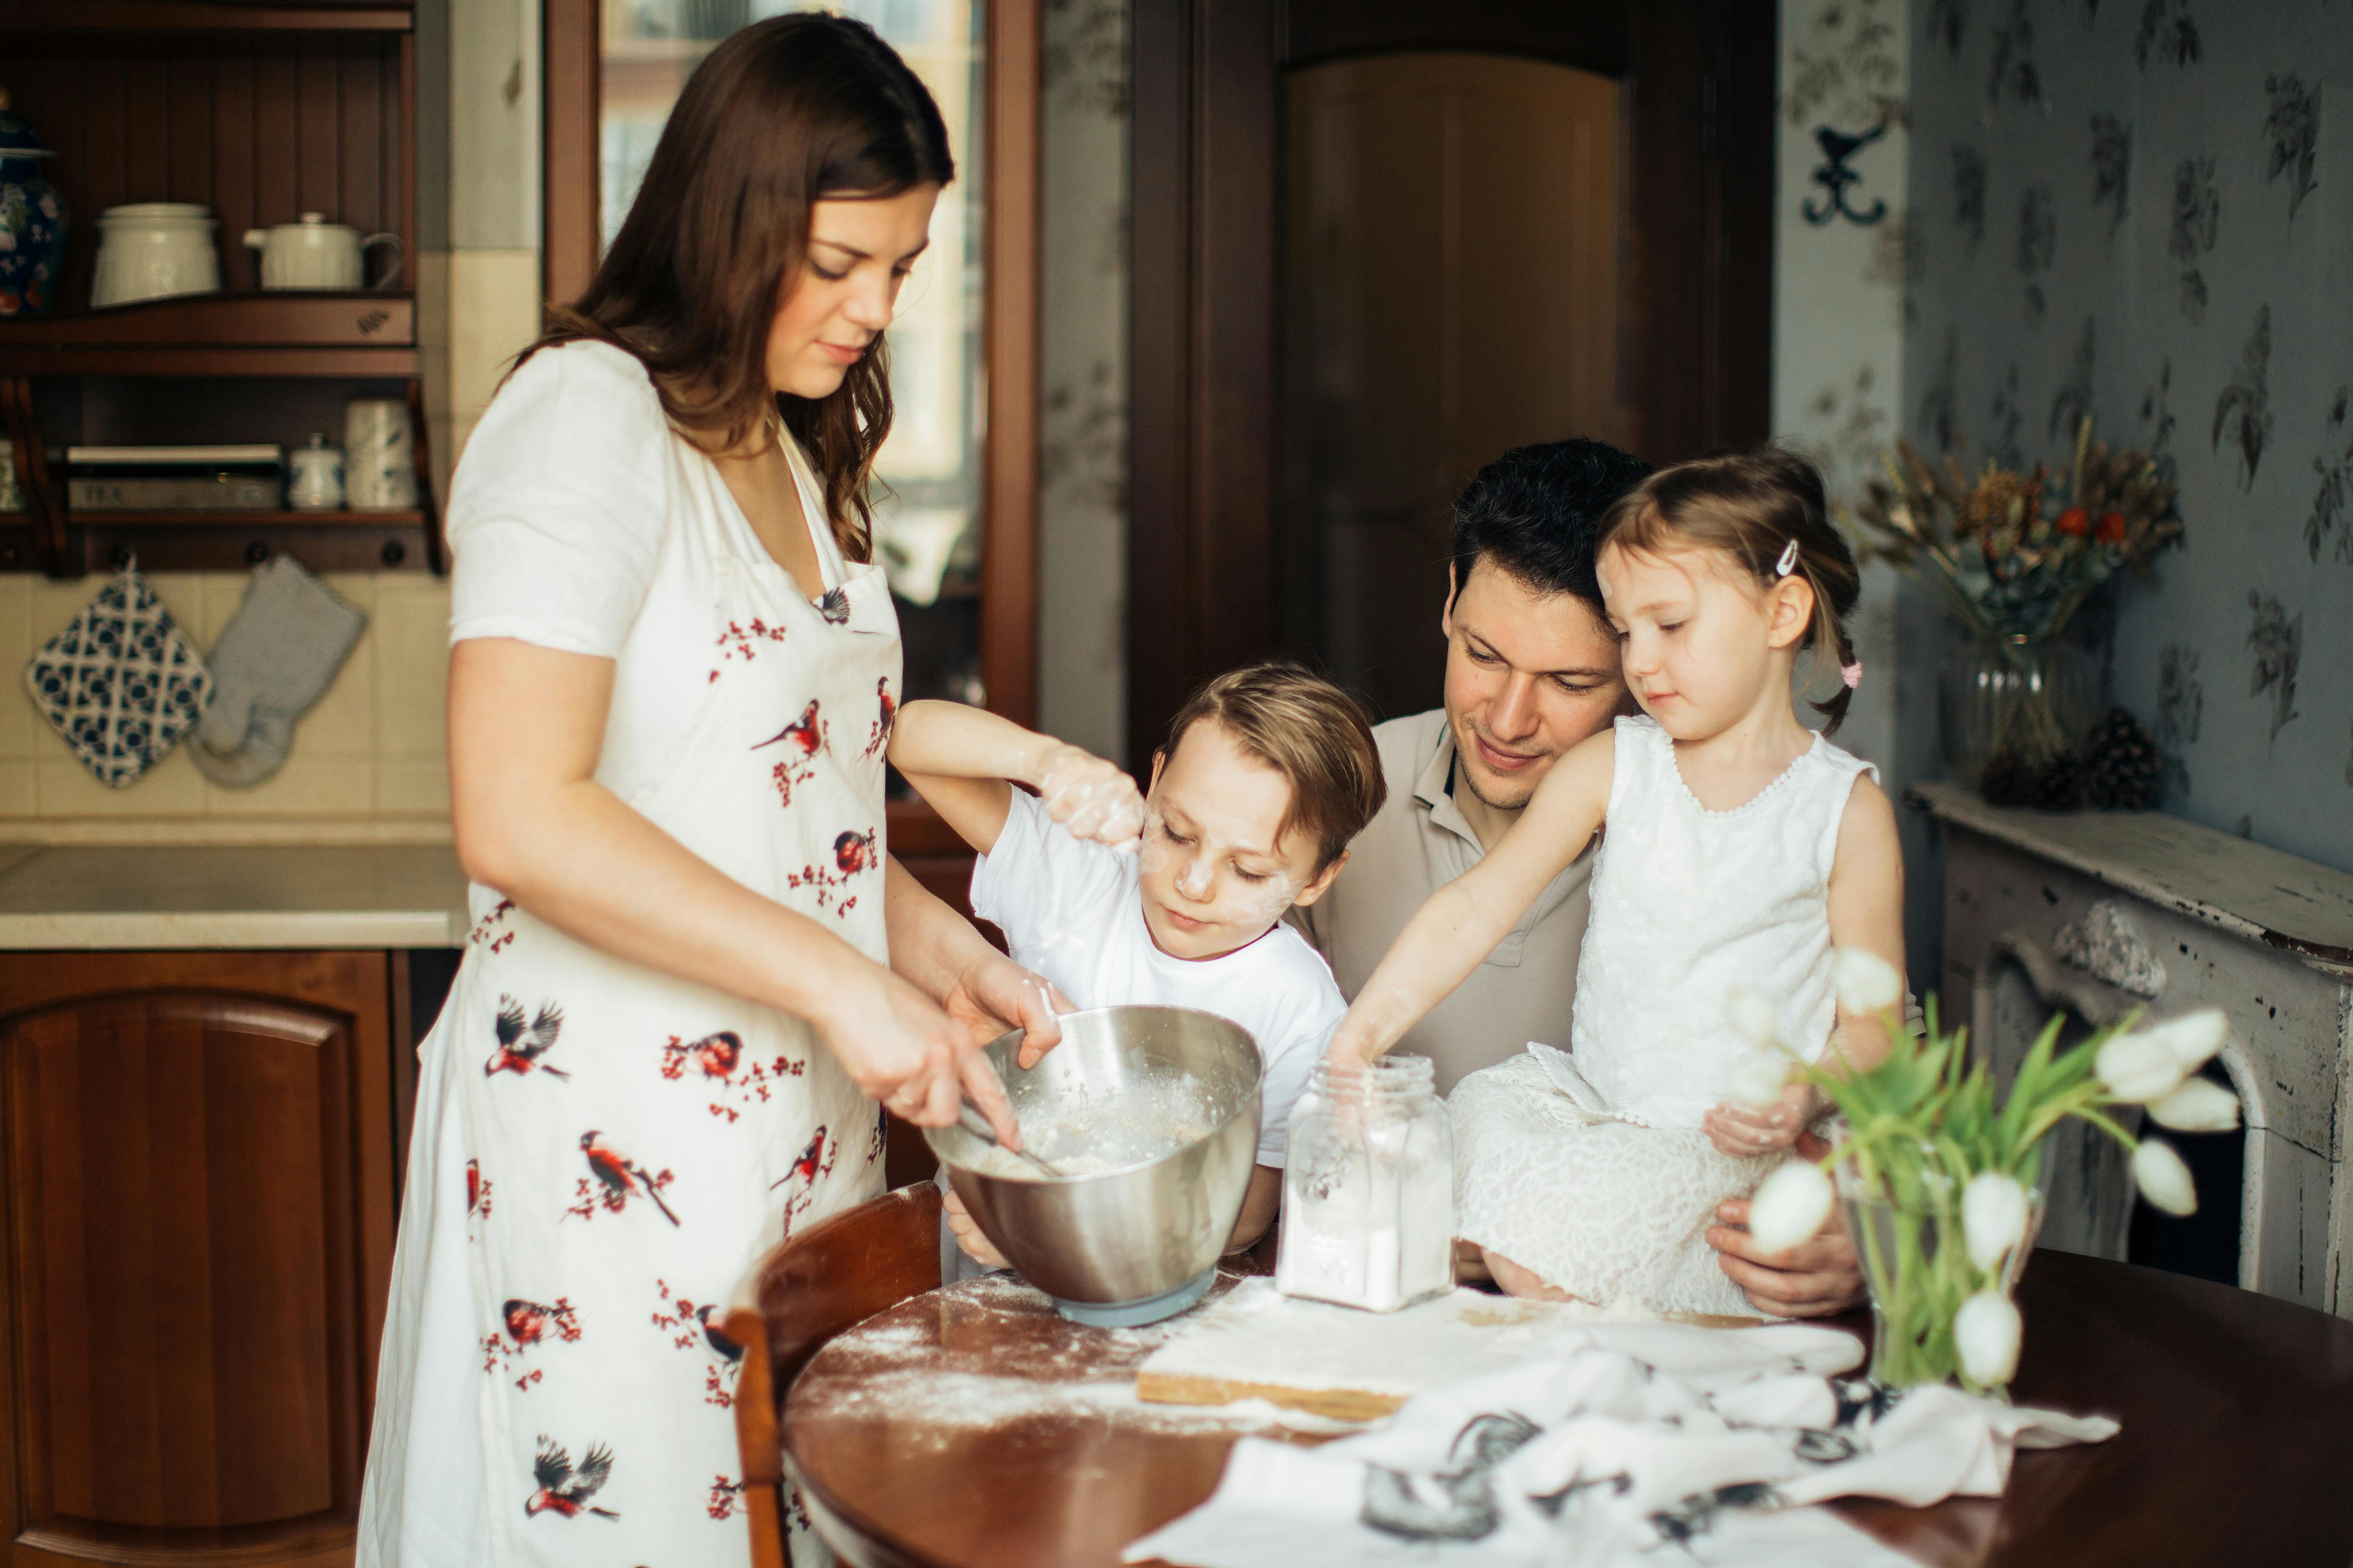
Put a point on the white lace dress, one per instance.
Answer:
(1589, 1167)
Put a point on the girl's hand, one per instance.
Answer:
(1089, 796)
(1744, 1133)
(968, 1236)
(902, 1048)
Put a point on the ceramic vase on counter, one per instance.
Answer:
(314, 478)
(32, 221)
(379, 455)
(154, 250)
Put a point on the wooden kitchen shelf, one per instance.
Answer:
(277, 517)
(199, 15)
(297, 332)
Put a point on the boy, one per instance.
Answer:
(1176, 898)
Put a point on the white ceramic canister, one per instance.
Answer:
(380, 455)
(314, 481)
(151, 250)
(316, 254)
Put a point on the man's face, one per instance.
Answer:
(1528, 675)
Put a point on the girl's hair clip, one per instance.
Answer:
(1789, 562)
(1851, 674)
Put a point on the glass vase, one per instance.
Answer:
(2032, 698)
(1907, 1236)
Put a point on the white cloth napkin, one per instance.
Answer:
(1611, 1442)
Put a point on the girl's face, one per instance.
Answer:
(1700, 648)
(1215, 876)
(859, 252)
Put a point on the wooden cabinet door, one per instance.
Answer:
(196, 1185)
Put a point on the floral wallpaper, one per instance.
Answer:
(2142, 211)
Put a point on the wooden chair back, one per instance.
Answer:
(832, 1277)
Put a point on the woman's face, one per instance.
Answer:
(859, 252)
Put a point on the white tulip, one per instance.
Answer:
(1985, 1331)
(2199, 1105)
(1791, 1205)
(1993, 1217)
(1756, 1079)
(2192, 1037)
(2138, 1069)
(1866, 982)
(1753, 1015)
(2163, 1179)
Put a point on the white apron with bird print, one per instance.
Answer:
(601, 1150)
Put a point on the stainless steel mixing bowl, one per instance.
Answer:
(1139, 1243)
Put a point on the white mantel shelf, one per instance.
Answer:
(2263, 894)
(253, 897)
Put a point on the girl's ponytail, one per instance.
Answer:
(1765, 509)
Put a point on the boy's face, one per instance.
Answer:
(1214, 876)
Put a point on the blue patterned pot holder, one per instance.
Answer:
(120, 683)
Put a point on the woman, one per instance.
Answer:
(673, 675)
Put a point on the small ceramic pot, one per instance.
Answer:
(32, 221)
(381, 465)
(153, 250)
(314, 480)
(316, 254)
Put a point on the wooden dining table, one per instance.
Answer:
(972, 1427)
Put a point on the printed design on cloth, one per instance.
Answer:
(719, 1060)
(689, 1323)
(814, 1164)
(529, 1323)
(834, 605)
(887, 715)
(743, 641)
(613, 1179)
(478, 1196)
(491, 931)
(853, 854)
(802, 740)
(119, 683)
(521, 1045)
(724, 1494)
(562, 1490)
(877, 1139)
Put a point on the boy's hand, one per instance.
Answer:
(1744, 1133)
(976, 1245)
(1090, 797)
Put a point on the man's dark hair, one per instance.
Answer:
(1535, 511)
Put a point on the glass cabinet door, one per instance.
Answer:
(928, 532)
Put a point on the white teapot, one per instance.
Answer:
(316, 254)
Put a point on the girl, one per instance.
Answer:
(694, 966)
(1742, 848)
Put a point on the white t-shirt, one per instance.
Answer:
(565, 530)
(1072, 911)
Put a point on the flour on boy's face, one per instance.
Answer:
(1213, 875)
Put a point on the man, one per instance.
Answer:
(1532, 668)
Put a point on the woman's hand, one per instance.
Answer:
(967, 1233)
(902, 1048)
(992, 994)
(1743, 1133)
(1093, 798)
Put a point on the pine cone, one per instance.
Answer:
(2060, 785)
(2126, 770)
(2009, 780)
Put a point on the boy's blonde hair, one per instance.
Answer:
(1308, 731)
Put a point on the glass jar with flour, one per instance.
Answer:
(1368, 1192)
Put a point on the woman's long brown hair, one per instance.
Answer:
(782, 113)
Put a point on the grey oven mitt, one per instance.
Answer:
(275, 659)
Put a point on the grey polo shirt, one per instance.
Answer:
(1419, 843)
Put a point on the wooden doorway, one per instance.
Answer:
(1300, 414)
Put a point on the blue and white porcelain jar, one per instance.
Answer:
(32, 221)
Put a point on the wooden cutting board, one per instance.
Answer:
(1254, 1342)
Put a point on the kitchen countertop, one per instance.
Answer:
(155, 899)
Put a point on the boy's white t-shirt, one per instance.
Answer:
(1073, 912)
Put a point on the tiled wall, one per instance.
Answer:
(372, 748)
